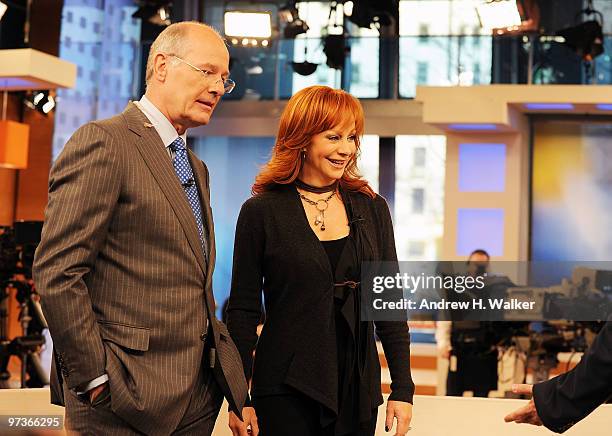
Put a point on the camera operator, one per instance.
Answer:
(468, 345)
(561, 402)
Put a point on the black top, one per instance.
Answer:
(566, 399)
(343, 260)
(276, 251)
(334, 249)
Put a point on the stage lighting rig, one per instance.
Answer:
(336, 50)
(304, 68)
(372, 13)
(156, 12)
(40, 101)
(248, 28)
(586, 38)
(294, 25)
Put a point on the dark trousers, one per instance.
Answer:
(454, 387)
(476, 372)
(297, 415)
(199, 418)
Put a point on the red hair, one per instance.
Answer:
(309, 112)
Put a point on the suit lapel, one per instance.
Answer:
(201, 179)
(153, 152)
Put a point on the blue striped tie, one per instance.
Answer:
(185, 175)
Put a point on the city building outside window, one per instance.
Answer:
(426, 224)
(118, 33)
(451, 61)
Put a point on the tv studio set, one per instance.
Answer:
(306, 218)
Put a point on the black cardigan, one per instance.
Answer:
(276, 250)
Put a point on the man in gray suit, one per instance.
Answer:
(126, 259)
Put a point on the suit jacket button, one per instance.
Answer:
(203, 337)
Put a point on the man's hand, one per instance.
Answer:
(247, 427)
(93, 393)
(527, 414)
(402, 411)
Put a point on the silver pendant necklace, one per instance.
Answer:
(321, 206)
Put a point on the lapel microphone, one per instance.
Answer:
(356, 219)
(189, 183)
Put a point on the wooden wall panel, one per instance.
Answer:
(32, 182)
(8, 178)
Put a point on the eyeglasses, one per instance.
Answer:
(228, 84)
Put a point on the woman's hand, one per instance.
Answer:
(247, 427)
(402, 411)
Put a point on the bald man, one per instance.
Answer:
(127, 254)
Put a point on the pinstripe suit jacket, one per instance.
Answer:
(123, 281)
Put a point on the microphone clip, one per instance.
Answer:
(356, 219)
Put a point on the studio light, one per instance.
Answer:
(335, 48)
(371, 13)
(498, 14)
(586, 39)
(248, 28)
(304, 68)
(294, 25)
(40, 101)
(285, 13)
(295, 28)
(155, 12)
(3, 8)
(348, 8)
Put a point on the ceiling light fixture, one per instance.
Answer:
(41, 101)
(586, 38)
(248, 27)
(155, 12)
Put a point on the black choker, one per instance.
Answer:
(315, 189)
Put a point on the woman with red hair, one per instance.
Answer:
(301, 239)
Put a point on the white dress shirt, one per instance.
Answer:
(162, 125)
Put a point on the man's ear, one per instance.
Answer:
(160, 67)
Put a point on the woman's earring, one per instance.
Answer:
(303, 153)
